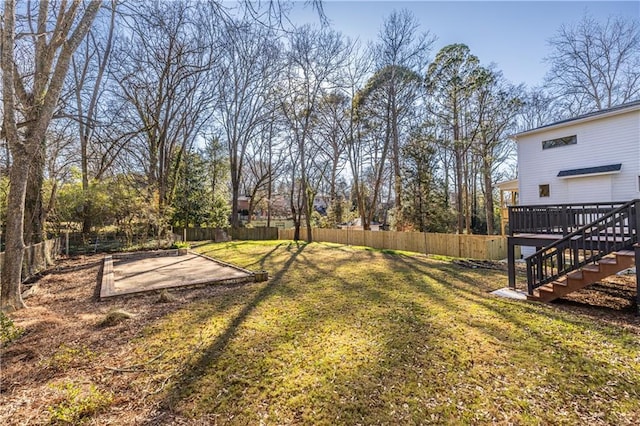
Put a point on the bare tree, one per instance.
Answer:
(496, 105)
(387, 107)
(89, 67)
(332, 117)
(595, 65)
(400, 50)
(538, 108)
(165, 76)
(450, 82)
(33, 74)
(250, 62)
(315, 59)
(355, 73)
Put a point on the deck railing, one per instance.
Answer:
(559, 219)
(608, 232)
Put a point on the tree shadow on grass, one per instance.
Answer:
(412, 344)
(318, 308)
(187, 380)
(507, 310)
(537, 340)
(263, 259)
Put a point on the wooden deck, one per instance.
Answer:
(575, 244)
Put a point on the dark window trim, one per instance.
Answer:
(542, 193)
(563, 141)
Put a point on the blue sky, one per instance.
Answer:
(511, 34)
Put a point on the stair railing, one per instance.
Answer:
(613, 231)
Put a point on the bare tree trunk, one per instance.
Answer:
(269, 188)
(297, 218)
(488, 194)
(397, 175)
(87, 128)
(467, 198)
(309, 199)
(53, 51)
(459, 191)
(34, 216)
(14, 248)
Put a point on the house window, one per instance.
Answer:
(553, 143)
(543, 190)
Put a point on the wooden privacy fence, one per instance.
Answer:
(37, 257)
(219, 234)
(493, 247)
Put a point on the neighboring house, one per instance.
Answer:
(591, 158)
(577, 217)
(356, 225)
(243, 204)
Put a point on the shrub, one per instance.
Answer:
(8, 330)
(180, 244)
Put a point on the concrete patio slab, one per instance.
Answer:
(125, 274)
(510, 293)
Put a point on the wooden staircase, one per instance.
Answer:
(587, 275)
(591, 252)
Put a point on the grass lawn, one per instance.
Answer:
(345, 335)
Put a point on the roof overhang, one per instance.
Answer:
(590, 171)
(508, 185)
(598, 115)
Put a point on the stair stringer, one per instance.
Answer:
(585, 276)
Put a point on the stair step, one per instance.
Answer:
(629, 253)
(591, 268)
(608, 261)
(560, 283)
(546, 287)
(577, 275)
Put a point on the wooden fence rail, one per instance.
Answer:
(37, 257)
(492, 247)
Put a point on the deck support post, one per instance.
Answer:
(539, 271)
(636, 248)
(511, 263)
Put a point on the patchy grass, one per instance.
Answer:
(115, 316)
(344, 335)
(75, 403)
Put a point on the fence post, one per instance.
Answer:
(66, 247)
(424, 234)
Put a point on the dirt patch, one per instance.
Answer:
(64, 343)
(481, 264)
(613, 300)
